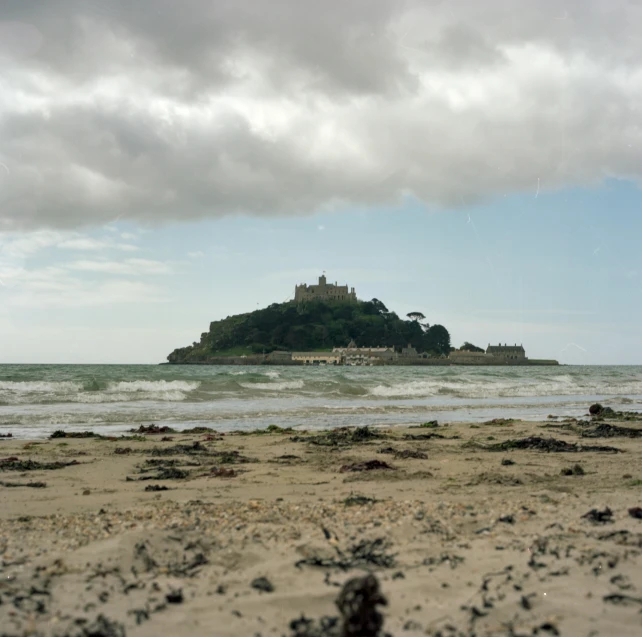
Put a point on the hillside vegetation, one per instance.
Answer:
(313, 326)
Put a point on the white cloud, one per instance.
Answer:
(196, 254)
(69, 292)
(133, 267)
(213, 108)
(19, 245)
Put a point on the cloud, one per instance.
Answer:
(69, 292)
(17, 245)
(58, 286)
(132, 267)
(196, 254)
(153, 112)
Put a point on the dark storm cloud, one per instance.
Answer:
(162, 110)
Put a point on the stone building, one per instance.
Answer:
(317, 358)
(324, 291)
(464, 356)
(354, 353)
(508, 352)
(409, 352)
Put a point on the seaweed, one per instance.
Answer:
(365, 553)
(164, 473)
(262, 584)
(270, 429)
(357, 603)
(536, 443)
(423, 436)
(59, 433)
(153, 430)
(33, 485)
(602, 430)
(367, 465)
(575, 470)
(15, 464)
(358, 500)
(499, 421)
(222, 472)
(197, 430)
(344, 436)
(403, 453)
(324, 627)
(599, 517)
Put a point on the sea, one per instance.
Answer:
(36, 400)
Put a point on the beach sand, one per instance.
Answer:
(255, 531)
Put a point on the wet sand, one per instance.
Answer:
(255, 531)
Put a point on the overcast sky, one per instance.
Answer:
(163, 164)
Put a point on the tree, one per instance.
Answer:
(315, 325)
(437, 339)
(469, 347)
(379, 306)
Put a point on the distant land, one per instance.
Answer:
(327, 324)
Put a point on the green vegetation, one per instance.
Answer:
(310, 326)
(469, 347)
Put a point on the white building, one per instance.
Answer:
(317, 358)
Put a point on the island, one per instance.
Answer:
(326, 324)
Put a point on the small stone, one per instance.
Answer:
(262, 584)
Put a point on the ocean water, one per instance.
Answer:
(35, 400)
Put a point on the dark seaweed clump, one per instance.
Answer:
(358, 500)
(367, 465)
(163, 473)
(73, 434)
(602, 430)
(429, 436)
(15, 464)
(358, 604)
(152, 430)
(270, 429)
(404, 454)
(365, 553)
(547, 444)
(598, 412)
(575, 470)
(341, 437)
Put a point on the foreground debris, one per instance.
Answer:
(554, 445)
(358, 604)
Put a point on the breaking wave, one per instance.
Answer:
(293, 384)
(93, 391)
(36, 399)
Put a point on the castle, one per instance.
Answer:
(324, 291)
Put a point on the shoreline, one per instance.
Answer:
(453, 525)
(262, 360)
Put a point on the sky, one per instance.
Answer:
(165, 164)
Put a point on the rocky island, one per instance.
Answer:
(326, 324)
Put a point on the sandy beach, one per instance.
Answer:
(502, 528)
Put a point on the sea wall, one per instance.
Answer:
(261, 359)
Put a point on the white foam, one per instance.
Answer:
(40, 386)
(291, 384)
(414, 388)
(153, 386)
(123, 397)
